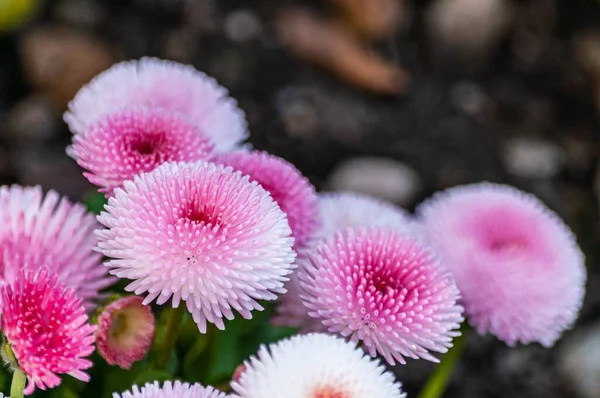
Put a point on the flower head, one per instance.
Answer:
(161, 84)
(125, 331)
(50, 232)
(47, 329)
(519, 269)
(290, 189)
(129, 141)
(339, 210)
(200, 233)
(314, 366)
(170, 389)
(383, 288)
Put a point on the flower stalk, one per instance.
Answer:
(167, 343)
(18, 383)
(438, 381)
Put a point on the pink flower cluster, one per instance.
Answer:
(196, 219)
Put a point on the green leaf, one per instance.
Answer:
(150, 376)
(94, 201)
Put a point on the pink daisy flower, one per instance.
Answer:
(383, 288)
(314, 366)
(53, 233)
(200, 233)
(125, 331)
(47, 329)
(161, 84)
(291, 190)
(518, 266)
(129, 141)
(338, 211)
(170, 389)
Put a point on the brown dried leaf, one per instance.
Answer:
(374, 19)
(333, 47)
(58, 61)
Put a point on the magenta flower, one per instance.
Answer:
(52, 233)
(200, 233)
(129, 141)
(170, 389)
(125, 331)
(338, 210)
(47, 329)
(290, 189)
(157, 83)
(381, 287)
(518, 266)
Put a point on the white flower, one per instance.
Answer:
(314, 365)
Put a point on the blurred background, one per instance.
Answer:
(394, 98)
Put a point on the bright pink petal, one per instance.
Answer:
(47, 329)
(130, 141)
(290, 189)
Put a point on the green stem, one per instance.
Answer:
(437, 382)
(167, 344)
(18, 384)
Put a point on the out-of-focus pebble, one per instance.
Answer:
(32, 121)
(579, 361)
(85, 13)
(58, 61)
(380, 177)
(242, 26)
(532, 158)
(471, 28)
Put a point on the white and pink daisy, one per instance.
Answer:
(294, 194)
(518, 266)
(381, 287)
(130, 141)
(170, 389)
(125, 331)
(46, 327)
(338, 211)
(314, 365)
(199, 233)
(53, 233)
(164, 84)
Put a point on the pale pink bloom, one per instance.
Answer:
(341, 210)
(518, 266)
(129, 141)
(381, 287)
(338, 211)
(170, 389)
(314, 366)
(47, 329)
(52, 233)
(294, 194)
(200, 233)
(162, 84)
(125, 331)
